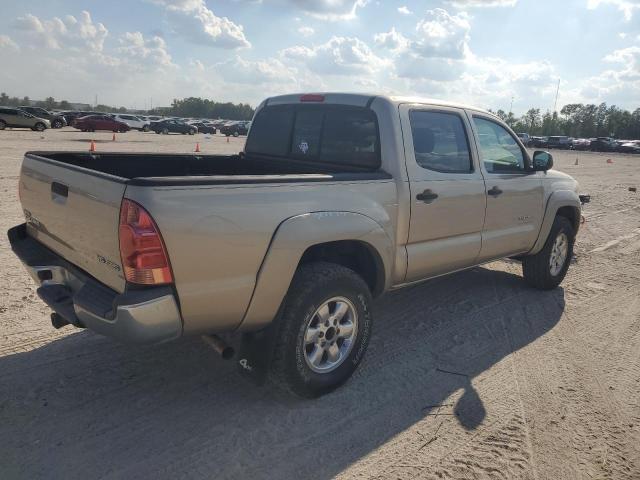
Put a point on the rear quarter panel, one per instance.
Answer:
(218, 235)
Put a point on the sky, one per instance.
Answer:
(488, 53)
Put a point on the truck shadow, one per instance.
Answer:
(85, 407)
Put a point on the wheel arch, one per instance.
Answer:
(346, 238)
(564, 203)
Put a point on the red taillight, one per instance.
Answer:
(144, 257)
(312, 97)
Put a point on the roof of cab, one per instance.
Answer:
(363, 100)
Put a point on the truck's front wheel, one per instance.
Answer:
(546, 269)
(324, 331)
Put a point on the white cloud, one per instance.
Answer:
(404, 10)
(615, 85)
(391, 40)
(193, 20)
(306, 31)
(441, 34)
(141, 51)
(330, 9)
(338, 56)
(6, 42)
(260, 72)
(482, 3)
(58, 33)
(627, 7)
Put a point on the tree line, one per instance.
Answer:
(578, 120)
(574, 120)
(205, 108)
(187, 107)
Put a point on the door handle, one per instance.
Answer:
(494, 192)
(427, 196)
(60, 189)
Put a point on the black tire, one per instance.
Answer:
(39, 127)
(3, 125)
(236, 134)
(165, 131)
(56, 124)
(145, 128)
(536, 268)
(312, 285)
(192, 132)
(157, 131)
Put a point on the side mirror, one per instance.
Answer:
(542, 161)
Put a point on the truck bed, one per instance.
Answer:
(167, 169)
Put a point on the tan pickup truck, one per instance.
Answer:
(335, 199)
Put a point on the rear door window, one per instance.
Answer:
(440, 142)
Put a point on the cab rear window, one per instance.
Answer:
(331, 134)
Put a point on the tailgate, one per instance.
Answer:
(75, 213)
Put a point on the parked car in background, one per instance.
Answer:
(561, 142)
(525, 138)
(581, 144)
(603, 144)
(15, 118)
(235, 128)
(173, 126)
(134, 122)
(91, 123)
(56, 120)
(154, 118)
(204, 127)
(632, 146)
(539, 142)
(71, 115)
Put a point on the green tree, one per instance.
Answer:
(532, 120)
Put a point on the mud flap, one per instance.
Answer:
(255, 353)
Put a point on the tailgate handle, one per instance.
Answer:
(60, 189)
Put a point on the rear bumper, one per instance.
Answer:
(150, 315)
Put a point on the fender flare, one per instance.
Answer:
(557, 200)
(291, 239)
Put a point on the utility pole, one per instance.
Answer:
(555, 104)
(510, 109)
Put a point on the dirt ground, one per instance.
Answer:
(468, 376)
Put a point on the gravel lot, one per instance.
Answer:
(473, 375)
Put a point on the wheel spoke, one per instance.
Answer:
(333, 353)
(323, 313)
(341, 309)
(315, 357)
(311, 335)
(346, 330)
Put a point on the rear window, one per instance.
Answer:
(317, 133)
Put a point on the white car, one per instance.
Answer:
(135, 123)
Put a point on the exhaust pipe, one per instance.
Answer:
(58, 321)
(220, 346)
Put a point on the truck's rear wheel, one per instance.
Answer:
(547, 268)
(324, 331)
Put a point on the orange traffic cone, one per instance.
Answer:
(197, 147)
(92, 146)
(113, 139)
(609, 160)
